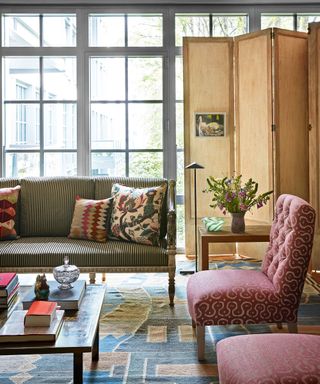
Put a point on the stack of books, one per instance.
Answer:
(68, 299)
(42, 322)
(9, 286)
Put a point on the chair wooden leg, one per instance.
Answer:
(292, 327)
(279, 325)
(193, 324)
(200, 341)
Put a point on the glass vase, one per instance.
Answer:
(237, 222)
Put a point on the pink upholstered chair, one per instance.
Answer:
(269, 295)
(269, 358)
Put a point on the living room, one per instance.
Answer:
(100, 94)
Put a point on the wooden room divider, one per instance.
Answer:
(268, 140)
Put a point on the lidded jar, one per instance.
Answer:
(66, 274)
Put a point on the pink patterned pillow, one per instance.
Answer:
(89, 219)
(8, 203)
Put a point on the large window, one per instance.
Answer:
(99, 90)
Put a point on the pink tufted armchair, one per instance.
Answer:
(270, 295)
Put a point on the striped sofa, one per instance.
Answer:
(44, 215)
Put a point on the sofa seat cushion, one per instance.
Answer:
(269, 358)
(49, 252)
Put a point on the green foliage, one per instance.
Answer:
(230, 195)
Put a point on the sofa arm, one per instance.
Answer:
(171, 222)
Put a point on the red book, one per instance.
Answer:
(5, 278)
(40, 314)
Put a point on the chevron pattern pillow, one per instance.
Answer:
(8, 204)
(89, 219)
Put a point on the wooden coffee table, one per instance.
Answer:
(79, 333)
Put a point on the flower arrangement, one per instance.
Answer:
(230, 195)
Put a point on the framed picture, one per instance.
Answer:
(210, 124)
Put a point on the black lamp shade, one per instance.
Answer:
(194, 165)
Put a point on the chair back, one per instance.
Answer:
(289, 251)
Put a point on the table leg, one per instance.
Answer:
(95, 347)
(78, 368)
(204, 254)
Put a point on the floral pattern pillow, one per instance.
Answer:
(136, 213)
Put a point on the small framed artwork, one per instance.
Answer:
(210, 124)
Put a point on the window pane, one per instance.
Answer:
(21, 126)
(180, 226)
(20, 30)
(108, 126)
(60, 164)
(59, 31)
(191, 25)
(21, 78)
(106, 30)
(107, 80)
(229, 25)
(108, 164)
(145, 126)
(278, 21)
(303, 20)
(144, 31)
(22, 164)
(179, 125)
(60, 126)
(179, 78)
(145, 78)
(180, 173)
(144, 164)
(59, 78)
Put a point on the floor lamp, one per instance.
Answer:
(194, 166)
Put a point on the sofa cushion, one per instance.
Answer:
(47, 204)
(89, 219)
(8, 202)
(136, 213)
(37, 252)
(11, 183)
(103, 186)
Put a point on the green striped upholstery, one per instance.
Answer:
(103, 187)
(10, 182)
(47, 204)
(49, 251)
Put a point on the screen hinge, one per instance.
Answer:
(273, 127)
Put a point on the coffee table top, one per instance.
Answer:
(78, 329)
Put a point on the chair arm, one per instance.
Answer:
(171, 217)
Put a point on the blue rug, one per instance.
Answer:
(143, 340)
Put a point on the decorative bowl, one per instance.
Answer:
(213, 224)
(66, 274)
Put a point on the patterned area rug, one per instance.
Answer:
(143, 340)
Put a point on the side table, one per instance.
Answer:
(253, 233)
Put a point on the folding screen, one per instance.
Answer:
(208, 88)
(271, 116)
